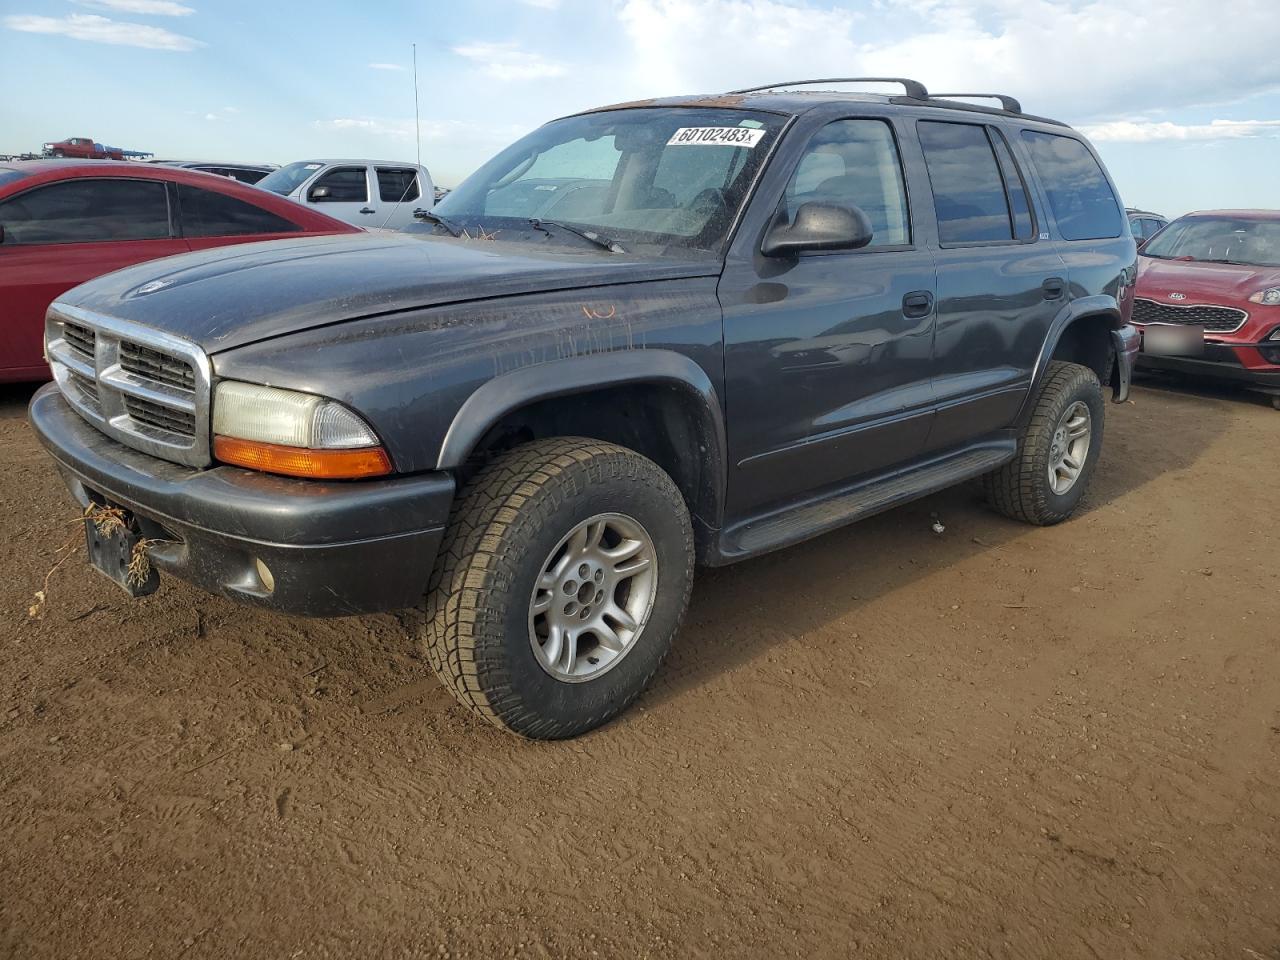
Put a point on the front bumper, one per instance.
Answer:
(1236, 363)
(332, 549)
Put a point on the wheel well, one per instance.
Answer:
(661, 421)
(1087, 341)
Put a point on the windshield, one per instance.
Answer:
(1230, 239)
(287, 179)
(667, 176)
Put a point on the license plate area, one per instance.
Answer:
(1173, 340)
(114, 546)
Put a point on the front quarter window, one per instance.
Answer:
(665, 176)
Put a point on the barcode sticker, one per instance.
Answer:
(715, 137)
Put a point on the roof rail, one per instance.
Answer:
(1006, 102)
(913, 88)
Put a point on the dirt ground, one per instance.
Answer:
(997, 741)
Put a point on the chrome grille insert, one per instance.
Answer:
(147, 389)
(1215, 319)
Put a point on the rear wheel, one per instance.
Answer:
(565, 572)
(1057, 451)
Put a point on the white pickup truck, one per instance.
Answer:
(376, 194)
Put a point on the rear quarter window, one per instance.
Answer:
(207, 213)
(1079, 194)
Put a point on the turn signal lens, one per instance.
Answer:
(302, 461)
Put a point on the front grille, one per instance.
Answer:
(155, 365)
(1214, 319)
(144, 388)
(80, 339)
(160, 417)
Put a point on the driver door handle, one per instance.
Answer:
(367, 210)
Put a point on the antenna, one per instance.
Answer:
(417, 127)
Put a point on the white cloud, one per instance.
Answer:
(1076, 59)
(84, 26)
(1148, 131)
(452, 131)
(386, 66)
(506, 61)
(148, 8)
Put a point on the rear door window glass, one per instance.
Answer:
(87, 211)
(1082, 200)
(207, 213)
(968, 189)
(397, 184)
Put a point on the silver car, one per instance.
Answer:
(376, 194)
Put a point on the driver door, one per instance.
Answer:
(827, 354)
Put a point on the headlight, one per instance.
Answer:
(1270, 297)
(297, 434)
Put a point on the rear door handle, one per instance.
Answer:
(918, 303)
(1054, 288)
(368, 210)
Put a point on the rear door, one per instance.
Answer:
(399, 191)
(344, 192)
(999, 284)
(61, 234)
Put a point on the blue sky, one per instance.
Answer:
(1182, 97)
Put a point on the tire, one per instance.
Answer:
(1022, 488)
(59, 153)
(506, 530)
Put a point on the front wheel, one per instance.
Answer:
(564, 574)
(1057, 451)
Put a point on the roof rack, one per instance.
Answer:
(1006, 102)
(913, 88)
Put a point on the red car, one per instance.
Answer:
(1208, 298)
(64, 222)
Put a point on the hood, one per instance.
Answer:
(1226, 284)
(230, 296)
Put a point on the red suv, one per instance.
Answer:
(63, 222)
(1208, 298)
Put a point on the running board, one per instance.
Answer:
(796, 523)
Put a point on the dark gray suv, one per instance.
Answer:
(641, 338)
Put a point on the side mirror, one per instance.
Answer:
(818, 226)
(318, 193)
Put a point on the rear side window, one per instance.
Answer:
(968, 188)
(207, 213)
(855, 163)
(1079, 193)
(87, 211)
(342, 185)
(397, 184)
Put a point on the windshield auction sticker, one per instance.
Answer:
(715, 137)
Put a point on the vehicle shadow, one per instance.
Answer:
(14, 398)
(740, 612)
(1176, 383)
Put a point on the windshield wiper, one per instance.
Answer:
(1238, 263)
(421, 214)
(603, 242)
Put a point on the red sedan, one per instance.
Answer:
(1208, 298)
(63, 222)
